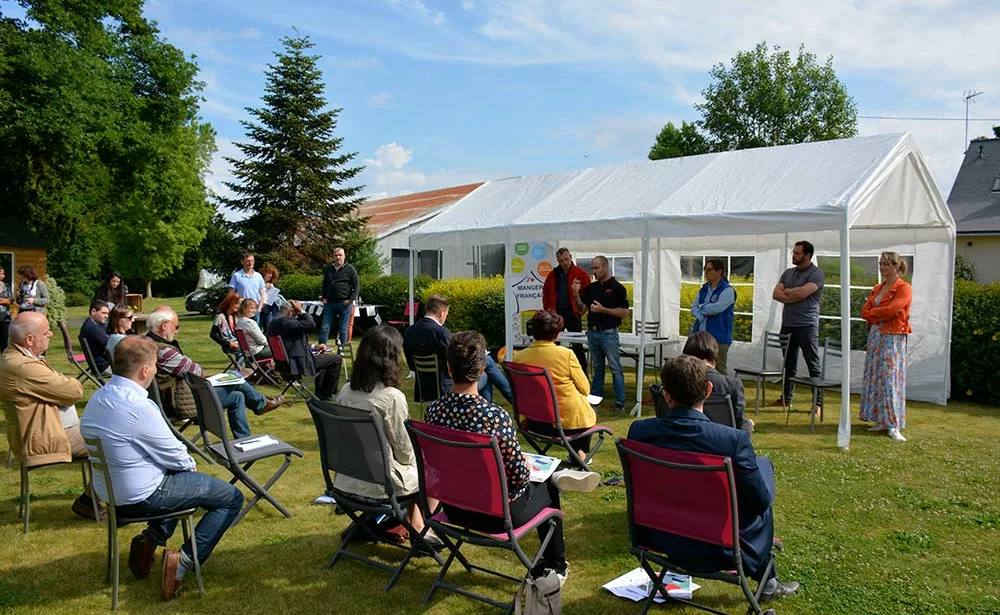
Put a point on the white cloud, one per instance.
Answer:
(219, 172)
(391, 155)
(380, 100)
(419, 10)
(250, 33)
(622, 135)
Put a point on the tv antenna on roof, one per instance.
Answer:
(969, 96)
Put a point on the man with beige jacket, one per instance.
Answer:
(42, 424)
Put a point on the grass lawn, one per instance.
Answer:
(883, 528)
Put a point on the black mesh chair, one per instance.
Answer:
(428, 378)
(772, 341)
(831, 349)
(353, 443)
(238, 455)
(76, 359)
(115, 522)
(720, 410)
(88, 354)
(154, 395)
(659, 404)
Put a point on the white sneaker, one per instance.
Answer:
(576, 480)
(563, 575)
(895, 435)
(877, 427)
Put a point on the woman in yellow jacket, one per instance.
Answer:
(571, 384)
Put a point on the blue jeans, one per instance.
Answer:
(221, 501)
(335, 310)
(604, 344)
(236, 398)
(493, 377)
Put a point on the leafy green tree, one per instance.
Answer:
(764, 98)
(770, 99)
(103, 153)
(673, 142)
(293, 180)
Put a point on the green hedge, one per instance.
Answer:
(300, 286)
(975, 342)
(476, 304)
(393, 291)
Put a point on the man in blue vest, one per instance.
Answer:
(714, 307)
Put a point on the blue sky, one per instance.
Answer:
(442, 93)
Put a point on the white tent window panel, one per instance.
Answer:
(622, 267)
(739, 271)
(864, 275)
(428, 262)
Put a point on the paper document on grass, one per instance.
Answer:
(541, 467)
(226, 379)
(325, 499)
(255, 443)
(635, 585)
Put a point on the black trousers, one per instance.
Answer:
(4, 332)
(805, 339)
(583, 444)
(328, 366)
(523, 509)
(571, 322)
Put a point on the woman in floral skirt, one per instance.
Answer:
(887, 310)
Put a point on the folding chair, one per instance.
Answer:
(115, 522)
(263, 369)
(411, 307)
(699, 504)
(720, 410)
(91, 363)
(76, 359)
(347, 352)
(154, 395)
(535, 399)
(237, 456)
(465, 470)
(659, 404)
(652, 329)
(831, 349)
(772, 340)
(292, 381)
(352, 442)
(428, 378)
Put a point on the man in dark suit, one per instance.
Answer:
(292, 327)
(429, 336)
(685, 388)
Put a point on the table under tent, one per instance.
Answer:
(856, 196)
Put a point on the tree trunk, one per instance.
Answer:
(149, 289)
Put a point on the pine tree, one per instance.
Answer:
(292, 179)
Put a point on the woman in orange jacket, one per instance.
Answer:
(887, 310)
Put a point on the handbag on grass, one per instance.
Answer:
(542, 595)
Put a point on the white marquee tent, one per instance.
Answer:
(850, 196)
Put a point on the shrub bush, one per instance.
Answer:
(476, 305)
(393, 291)
(975, 342)
(75, 299)
(56, 309)
(300, 286)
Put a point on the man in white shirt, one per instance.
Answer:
(151, 471)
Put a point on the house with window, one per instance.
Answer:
(20, 246)
(975, 205)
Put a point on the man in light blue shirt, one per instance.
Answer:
(151, 471)
(249, 284)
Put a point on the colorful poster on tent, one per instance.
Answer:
(528, 264)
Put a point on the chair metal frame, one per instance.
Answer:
(652, 507)
(75, 359)
(425, 366)
(410, 307)
(262, 368)
(88, 355)
(346, 447)
(652, 329)
(831, 348)
(98, 463)
(212, 420)
(720, 410)
(543, 407)
(478, 455)
(771, 340)
(154, 395)
(292, 381)
(24, 505)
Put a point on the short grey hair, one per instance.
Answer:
(162, 314)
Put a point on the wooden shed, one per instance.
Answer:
(21, 246)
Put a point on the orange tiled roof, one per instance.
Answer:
(385, 214)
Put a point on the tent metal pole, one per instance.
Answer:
(508, 299)
(844, 428)
(641, 360)
(413, 254)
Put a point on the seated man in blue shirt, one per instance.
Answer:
(95, 331)
(151, 471)
(685, 388)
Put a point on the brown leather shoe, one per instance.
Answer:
(778, 403)
(140, 556)
(84, 506)
(170, 584)
(273, 403)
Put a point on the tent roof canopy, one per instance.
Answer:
(879, 182)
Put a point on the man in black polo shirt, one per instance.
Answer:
(606, 304)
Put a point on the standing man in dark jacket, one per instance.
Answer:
(340, 291)
(557, 296)
(292, 326)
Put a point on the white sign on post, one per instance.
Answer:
(528, 264)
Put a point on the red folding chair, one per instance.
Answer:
(686, 494)
(411, 307)
(535, 399)
(263, 369)
(292, 381)
(465, 470)
(77, 360)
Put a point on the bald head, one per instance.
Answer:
(163, 322)
(30, 330)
